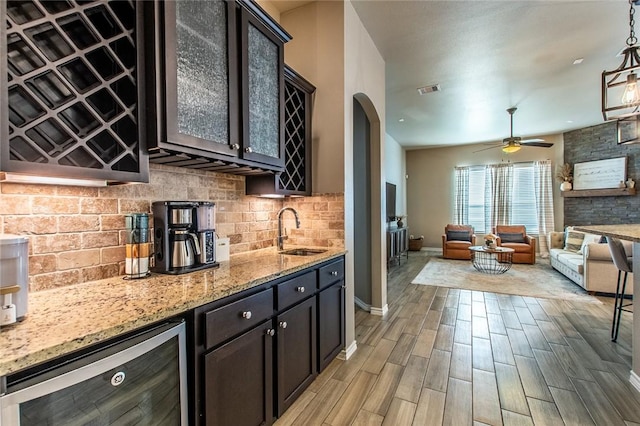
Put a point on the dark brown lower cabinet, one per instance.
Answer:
(256, 353)
(238, 380)
(330, 323)
(296, 357)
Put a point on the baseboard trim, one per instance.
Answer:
(635, 380)
(379, 311)
(362, 305)
(346, 353)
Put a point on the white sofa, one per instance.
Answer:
(589, 266)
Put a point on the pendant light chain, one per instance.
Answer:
(632, 40)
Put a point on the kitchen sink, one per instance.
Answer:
(302, 252)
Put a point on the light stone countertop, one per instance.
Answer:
(629, 232)
(65, 319)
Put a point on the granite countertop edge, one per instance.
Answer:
(629, 232)
(62, 320)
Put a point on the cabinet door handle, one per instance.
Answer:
(271, 332)
(248, 149)
(246, 315)
(235, 146)
(300, 289)
(283, 324)
(334, 273)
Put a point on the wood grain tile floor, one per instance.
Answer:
(456, 357)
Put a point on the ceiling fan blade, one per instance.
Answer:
(484, 149)
(537, 142)
(532, 140)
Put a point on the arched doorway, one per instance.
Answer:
(369, 262)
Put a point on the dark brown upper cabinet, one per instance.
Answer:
(71, 90)
(295, 179)
(216, 90)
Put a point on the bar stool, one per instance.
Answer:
(624, 264)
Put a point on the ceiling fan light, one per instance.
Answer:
(511, 148)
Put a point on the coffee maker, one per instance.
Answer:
(184, 233)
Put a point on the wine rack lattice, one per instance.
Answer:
(72, 86)
(293, 176)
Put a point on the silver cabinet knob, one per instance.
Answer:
(300, 289)
(246, 315)
(283, 324)
(235, 146)
(334, 273)
(248, 149)
(271, 332)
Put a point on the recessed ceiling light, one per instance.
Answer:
(401, 120)
(429, 89)
(578, 61)
(569, 121)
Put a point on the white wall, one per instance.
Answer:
(331, 49)
(395, 172)
(430, 187)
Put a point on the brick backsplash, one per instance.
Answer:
(76, 234)
(599, 143)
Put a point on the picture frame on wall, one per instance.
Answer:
(600, 174)
(628, 130)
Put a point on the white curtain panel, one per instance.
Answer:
(543, 181)
(461, 208)
(498, 184)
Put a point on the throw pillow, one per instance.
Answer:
(573, 241)
(511, 237)
(458, 236)
(589, 238)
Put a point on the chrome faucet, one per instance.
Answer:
(281, 237)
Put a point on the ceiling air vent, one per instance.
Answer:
(428, 89)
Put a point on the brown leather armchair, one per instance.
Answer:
(515, 237)
(456, 241)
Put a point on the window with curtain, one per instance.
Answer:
(518, 193)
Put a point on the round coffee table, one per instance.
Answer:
(491, 260)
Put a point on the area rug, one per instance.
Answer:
(538, 280)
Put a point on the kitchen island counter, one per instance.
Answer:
(73, 317)
(629, 232)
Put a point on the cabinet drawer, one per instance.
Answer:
(331, 273)
(234, 318)
(296, 289)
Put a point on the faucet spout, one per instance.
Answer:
(281, 237)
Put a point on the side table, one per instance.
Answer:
(491, 260)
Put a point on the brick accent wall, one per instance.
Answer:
(599, 143)
(76, 234)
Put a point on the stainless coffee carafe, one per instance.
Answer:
(186, 249)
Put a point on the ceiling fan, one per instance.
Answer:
(514, 143)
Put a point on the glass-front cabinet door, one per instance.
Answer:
(201, 76)
(262, 92)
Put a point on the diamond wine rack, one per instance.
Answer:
(72, 90)
(293, 177)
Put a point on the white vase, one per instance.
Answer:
(566, 186)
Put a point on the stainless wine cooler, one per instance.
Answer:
(138, 381)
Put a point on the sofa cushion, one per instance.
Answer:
(573, 240)
(458, 245)
(458, 236)
(588, 239)
(511, 237)
(572, 261)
